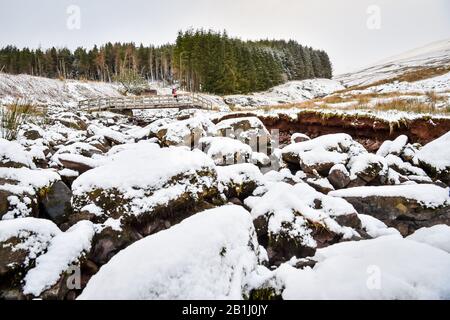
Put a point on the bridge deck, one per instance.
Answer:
(148, 102)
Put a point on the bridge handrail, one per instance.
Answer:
(135, 102)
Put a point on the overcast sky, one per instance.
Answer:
(339, 27)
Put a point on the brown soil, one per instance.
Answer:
(369, 131)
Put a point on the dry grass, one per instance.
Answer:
(13, 116)
(363, 102)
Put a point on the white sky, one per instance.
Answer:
(337, 26)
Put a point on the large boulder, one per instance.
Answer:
(71, 120)
(14, 155)
(56, 202)
(366, 168)
(114, 137)
(207, 256)
(322, 153)
(143, 189)
(292, 221)
(339, 176)
(185, 132)
(239, 180)
(24, 190)
(226, 151)
(434, 158)
(405, 207)
(243, 129)
(50, 276)
(22, 241)
(395, 147)
(386, 268)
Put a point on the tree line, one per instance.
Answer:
(213, 62)
(200, 60)
(103, 63)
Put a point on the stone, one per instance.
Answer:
(56, 202)
(339, 176)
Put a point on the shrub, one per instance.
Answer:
(12, 117)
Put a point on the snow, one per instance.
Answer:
(68, 173)
(322, 182)
(178, 131)
(330, 148)
(388, 267)
(143, 175)
(141, 168)
(238, 174)
(437, 236)
(11, 151)
(94, 209)
(428, 195)
(340, 142)
(299, 135)
(393, 160)
(35, 235)
(364, 161)
(436, 153)
(207, 256)
(290, 92)
(376, 228)
(29, 180)
(286, 203)
(44, 91)
(77, 158)
(219, 147)
(64, 250)
(434, 54)
(110, 133)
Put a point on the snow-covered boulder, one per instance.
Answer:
(434, 157)
(71, 120)
(404, 168)
(143, 190)
(49, 277)
(339, 177)
(322, 153)
(388, 267)
(393, 147)
(299, 137)
(239, 180)
(114, 137)
(185, 132)
(226, 151)
(207, 256)
(437, 236)
(365, 168)
(138, 181)
(245, 129)
(23, 188)
(21, 242)
(295, 220)
(14, 155)
(405, 207)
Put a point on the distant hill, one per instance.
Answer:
(418, 64)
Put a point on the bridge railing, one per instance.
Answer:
(146, 102)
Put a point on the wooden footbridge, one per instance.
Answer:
(183, 101)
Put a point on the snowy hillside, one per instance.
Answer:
(436, 54)
(45, 91)
(290, 92)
